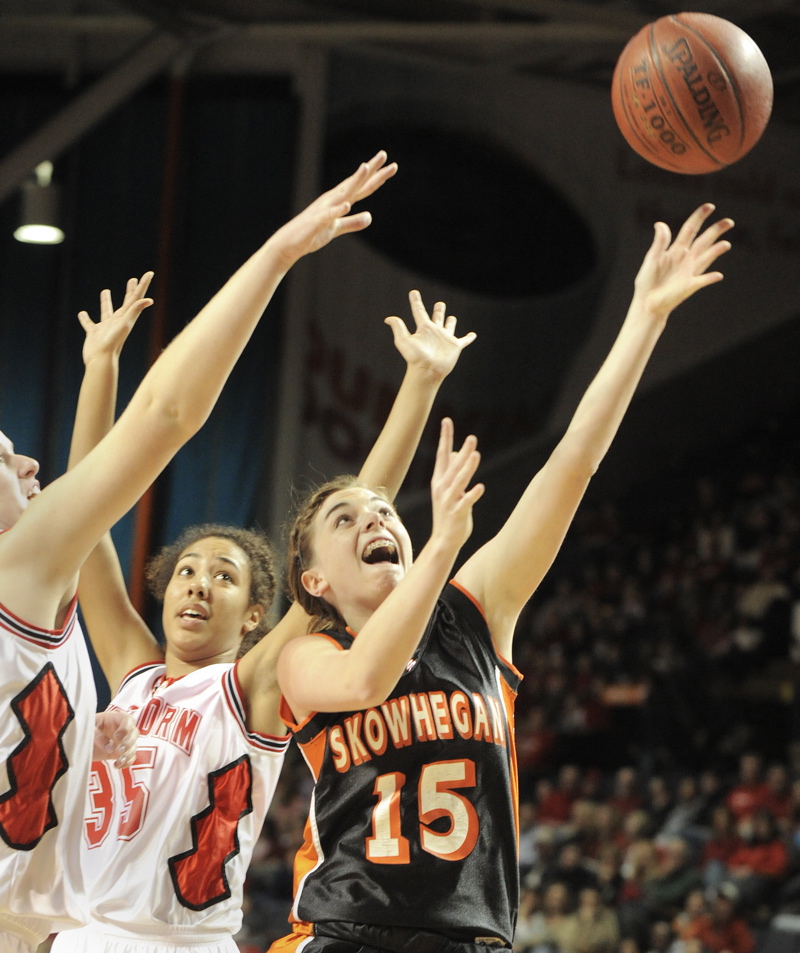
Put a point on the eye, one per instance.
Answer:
(386, 511)
(226, 576)
(185, 571)
(342, 518)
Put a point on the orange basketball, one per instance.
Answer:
(692, 93)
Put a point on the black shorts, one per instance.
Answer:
(336, 936)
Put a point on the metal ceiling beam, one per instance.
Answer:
(88, 109)
(338, 33)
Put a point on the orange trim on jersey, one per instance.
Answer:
(479, 607)
(305, 860)
(314, 753)
(285, 712)
(291, 943)
(509, 697)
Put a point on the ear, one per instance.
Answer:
(254, 615)
(314, 583)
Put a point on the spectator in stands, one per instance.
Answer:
(722, 930)
(751, 791)
(592, 928)
(778, 800)
(609, 874)
(545, 928)
(723, 842)
(694, 907)
(682, 819)
(659, 801)
(661, 937)
(570, 869)
(529, 934)
(626, 797)
(555, 804)
(675, 877)
(757, 866)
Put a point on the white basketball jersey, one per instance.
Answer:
(48, 704)
(167, 841)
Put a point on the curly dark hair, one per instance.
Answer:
(252, 542)
(300, 551)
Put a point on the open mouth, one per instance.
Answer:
(381, 551)
(193, 614)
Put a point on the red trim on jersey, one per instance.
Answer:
(57, 636)
(136, 670)
(257, 738)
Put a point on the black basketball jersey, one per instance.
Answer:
(413, 819)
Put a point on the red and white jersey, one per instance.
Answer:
(167, 841)
(48, 704)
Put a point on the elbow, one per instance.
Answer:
(370, 690)
(173, 420)
(576, 459)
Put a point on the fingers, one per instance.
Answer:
(353, 223)
(444, 447)
(690, 228)
(468, 338)
(399, 329)
(418, 311)
(106, 305)
(86, 322)
(116, 735)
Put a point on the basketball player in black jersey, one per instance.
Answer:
(402, 699)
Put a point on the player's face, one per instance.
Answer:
(360, 548)
(207, 607)
(18, 483)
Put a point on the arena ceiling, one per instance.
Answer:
(574, 39)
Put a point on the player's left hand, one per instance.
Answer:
(329, 216)
(671, 273)
(433, 348)
(108, 335)
(115, 736)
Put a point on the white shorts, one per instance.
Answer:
(11, 943)
(98, 939)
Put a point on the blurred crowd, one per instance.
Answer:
(659, 775)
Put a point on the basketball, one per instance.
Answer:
(692, 93)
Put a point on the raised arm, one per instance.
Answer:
(504, 573)
(431, 352)
(119, 636)
(315, 676)
(40, 559)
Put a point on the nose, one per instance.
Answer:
(198, 585)
(373, 519)
(28, 467)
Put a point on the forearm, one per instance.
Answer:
(94, 415)
(389, 460)
(380, 654)
(600, 412)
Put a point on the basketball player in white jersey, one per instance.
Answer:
(47, 698)
(168, 841)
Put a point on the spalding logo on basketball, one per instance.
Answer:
(692, 93)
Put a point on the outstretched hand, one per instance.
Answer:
(671, 273)
(452, 501)
(108, 335)
(433, 347)
(328, 216)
